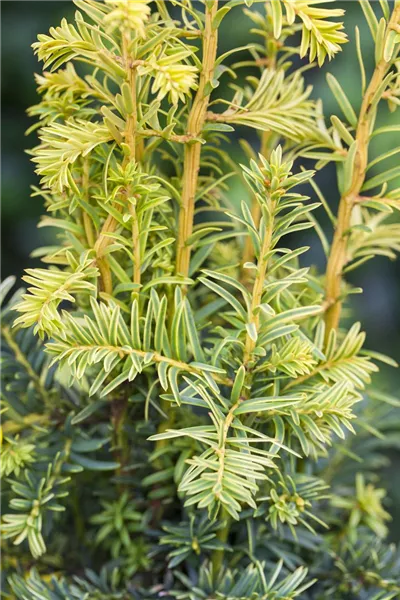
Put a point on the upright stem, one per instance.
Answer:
(192, 154)
(218, 555)
(248, 254)
(131, 141)
(270, 62)
(258, 285)
(119, 404)
(338, 255)
(223, 534)
(110, 224)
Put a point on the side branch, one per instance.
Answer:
(156, 357)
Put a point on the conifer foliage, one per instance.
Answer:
(185, 413)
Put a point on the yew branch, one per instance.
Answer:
(338, 256)
(192, 155)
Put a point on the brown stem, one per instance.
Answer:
(192, 154)
(338, 255)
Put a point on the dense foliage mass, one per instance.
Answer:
(185, 413)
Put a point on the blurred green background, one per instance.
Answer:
(21, 21)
